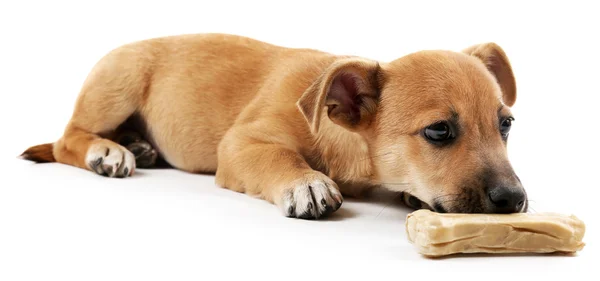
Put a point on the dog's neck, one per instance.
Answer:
(344, 157)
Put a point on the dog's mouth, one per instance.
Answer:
(414, 202)
(466, 206)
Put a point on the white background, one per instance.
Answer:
(63, 223)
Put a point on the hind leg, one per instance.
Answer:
(112, 92)
(104, 157)
(84, 147)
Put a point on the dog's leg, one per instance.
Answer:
(113, 91)
(277, 174)
(83, 146)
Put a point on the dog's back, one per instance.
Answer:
(186, 91)
(201, 83)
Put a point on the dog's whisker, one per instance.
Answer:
(392, 201)
(530, 208)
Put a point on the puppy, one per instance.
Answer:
(301, 127)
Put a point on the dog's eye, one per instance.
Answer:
(505, 126)
(438, 133)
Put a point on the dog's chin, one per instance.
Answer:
(469, 208)
(467, 201)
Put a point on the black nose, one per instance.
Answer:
(506, 200)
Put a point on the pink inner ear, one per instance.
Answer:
(344, 89)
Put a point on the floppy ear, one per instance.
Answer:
(498, 64)
(349, 89)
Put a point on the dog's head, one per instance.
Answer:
(438, 120)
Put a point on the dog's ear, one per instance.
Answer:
(348, 90)
(498, 64)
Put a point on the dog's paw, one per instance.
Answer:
(110, 159)
(145, 155)
(313, 196)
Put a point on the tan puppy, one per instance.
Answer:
(300, 127)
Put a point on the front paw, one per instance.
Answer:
(311, 197)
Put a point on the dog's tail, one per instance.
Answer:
(40, 153)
